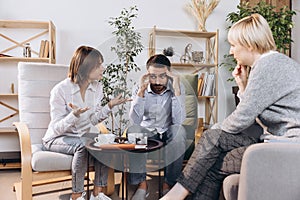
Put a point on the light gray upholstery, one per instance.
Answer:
(269, 171)
(190, 82)
(231, 186)
(35, 81)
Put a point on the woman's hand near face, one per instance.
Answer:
(240, 75)
(117, 101)
(176, 82)
(144, 82)
(76, 110)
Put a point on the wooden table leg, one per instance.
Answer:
(88, 174)
(159, 175)
(123, 187)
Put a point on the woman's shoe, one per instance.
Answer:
(101, 196)
(80, 198)
(140, 194)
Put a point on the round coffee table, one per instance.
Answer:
(124, 151)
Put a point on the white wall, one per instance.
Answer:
(80, 23)
(85, 22)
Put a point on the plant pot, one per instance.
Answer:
(121, 140)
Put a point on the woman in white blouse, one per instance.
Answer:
(75, 107)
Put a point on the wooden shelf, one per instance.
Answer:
(182, 33)
(21, 59)
(8, 95)
(16, 33)
(8, 130)
(208, 41)
(23, 24)
(41, 29)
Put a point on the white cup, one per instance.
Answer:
(137, 138)
(131, 138)
(105, 138)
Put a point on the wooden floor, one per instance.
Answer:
(9, 176)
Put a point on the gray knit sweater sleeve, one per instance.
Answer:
(272, 94)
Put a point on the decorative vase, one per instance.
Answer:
(201, 9)
(201, 24)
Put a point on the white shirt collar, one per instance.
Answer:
(75, 87)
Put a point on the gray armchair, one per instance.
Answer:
(190, 82)
(269, 171)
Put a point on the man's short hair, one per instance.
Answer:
(159, 60)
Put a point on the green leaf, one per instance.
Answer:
(128, 46)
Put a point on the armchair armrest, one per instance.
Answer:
(270, 171)
(25, 146)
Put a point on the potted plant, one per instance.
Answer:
(280, 22)
(115, 77)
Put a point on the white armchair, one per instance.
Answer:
(38, 167)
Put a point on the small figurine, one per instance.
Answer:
(186, 57)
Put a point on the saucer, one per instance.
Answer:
(97, 144)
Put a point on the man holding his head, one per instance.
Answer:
(158, 109)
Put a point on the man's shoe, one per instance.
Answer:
(101, 196)
(140, 194)
(80, 198)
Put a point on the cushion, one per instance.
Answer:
(50, 161)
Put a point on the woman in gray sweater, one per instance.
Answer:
(270, 96)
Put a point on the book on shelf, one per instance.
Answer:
(53, 50)
(209, 90)
(200, 83)
(44, 49)
(206, 84)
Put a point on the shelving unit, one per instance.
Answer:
(41, 29)
(6, 105)
(208, 41)
(14, 34)
(9, 163)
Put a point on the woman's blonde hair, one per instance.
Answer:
(254, 33)
(84, 60)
